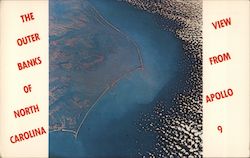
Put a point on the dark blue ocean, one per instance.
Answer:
(111, 128)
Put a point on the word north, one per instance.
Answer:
(222, 23)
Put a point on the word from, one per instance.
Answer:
(219, 58)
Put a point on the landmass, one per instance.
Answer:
(88, 56)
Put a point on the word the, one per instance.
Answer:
(27, 17)
(26, 111)
(219, 58)
(27, 135)
(28, 39)
(222, 23)
(219, 95)
(29, 63)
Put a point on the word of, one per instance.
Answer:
(27, 88)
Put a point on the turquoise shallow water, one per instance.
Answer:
(110, 129)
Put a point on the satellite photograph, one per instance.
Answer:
(125, 78)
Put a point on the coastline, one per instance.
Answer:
(185, 114)
(83, 137)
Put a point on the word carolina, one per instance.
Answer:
(27, 135)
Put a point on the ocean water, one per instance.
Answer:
(110, 129)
